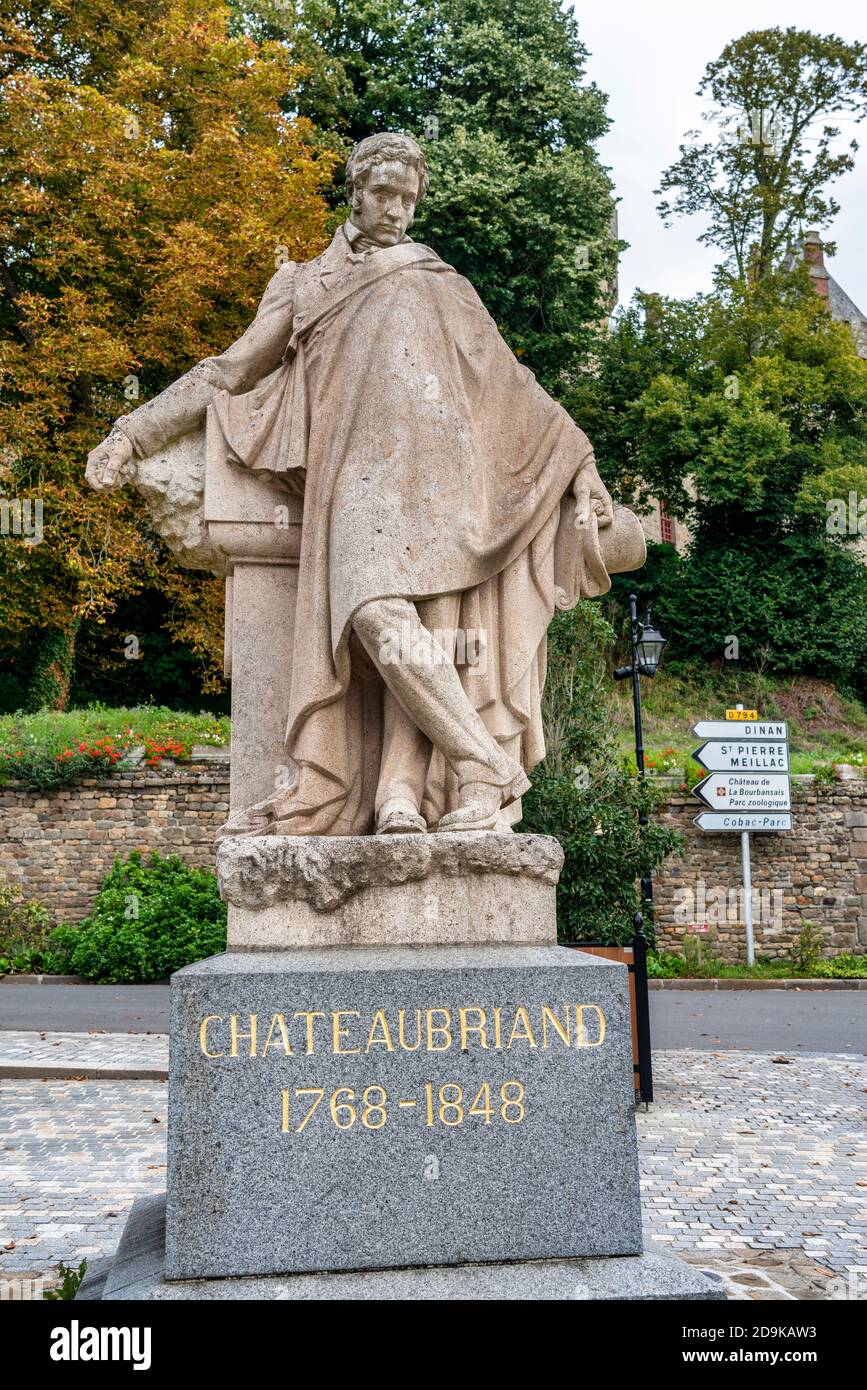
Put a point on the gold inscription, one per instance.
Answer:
(479, 1027)
(442, 1030)
(401, 1038)
(522, 1018)
(237, 1037)
(561, 1029)
(203, 1035)
(582, 1039)
(309, 1017)
(278, 1021)
(446, 1105)
(339, 1034)
(350, 1032)
(384, 1038)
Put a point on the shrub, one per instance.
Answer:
(26, 937)
(44, 769)
(583, 795)
(70, 1283)
(806, 951)
(845, 967)
(149, 919)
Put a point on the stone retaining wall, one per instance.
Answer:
(59, 845)
(816, 873)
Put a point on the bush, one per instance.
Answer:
(58, 748)
(845, 967)
(26, 937)
(148, 920)
(583, 795)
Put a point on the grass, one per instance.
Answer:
(825, 727)
(667, 965)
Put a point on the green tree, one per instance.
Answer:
(496, 93)
(746, 411)
(775, 96)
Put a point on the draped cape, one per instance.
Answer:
(431, 462)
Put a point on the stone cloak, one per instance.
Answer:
(431, 462)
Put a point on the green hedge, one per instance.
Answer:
(149, 918)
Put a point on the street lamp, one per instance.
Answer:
(648, 644)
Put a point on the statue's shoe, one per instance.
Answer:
(480, 804)
(400, 817)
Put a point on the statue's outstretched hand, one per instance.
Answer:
(111, 463)
(591, 495)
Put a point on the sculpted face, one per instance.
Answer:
(385, 202)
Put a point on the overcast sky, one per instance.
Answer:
(649, 57)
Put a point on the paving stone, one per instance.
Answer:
(81, 1152)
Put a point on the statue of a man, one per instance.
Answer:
(445, 497)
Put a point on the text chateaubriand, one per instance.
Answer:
(346, 1032)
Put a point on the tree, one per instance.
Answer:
(759, 399)
(495, 92)
(763, 178)
(148, 180)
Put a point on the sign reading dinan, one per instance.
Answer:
(776, 729)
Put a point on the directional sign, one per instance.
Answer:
(743, 756)
(745, 791)
(717, 728)
(741, 821)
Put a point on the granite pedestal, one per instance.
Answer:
(381, 1107)
(436, 1120)
(136, 1274)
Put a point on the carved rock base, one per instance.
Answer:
(390, 890)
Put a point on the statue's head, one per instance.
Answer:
(386, 177)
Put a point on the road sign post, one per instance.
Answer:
(748, 895)
(747, 787)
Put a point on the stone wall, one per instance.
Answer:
(60, 844)
(816, 873)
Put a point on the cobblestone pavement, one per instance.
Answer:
(753, 1168)
(84, 1053)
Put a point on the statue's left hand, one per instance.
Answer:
(591, 495)
(111, 463)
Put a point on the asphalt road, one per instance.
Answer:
(79, 1008)
(760, 1020)
(748, 1020)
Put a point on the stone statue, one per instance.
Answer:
(449, 506)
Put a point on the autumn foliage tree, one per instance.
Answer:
(148, 181)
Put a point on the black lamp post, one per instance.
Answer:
(647, 648)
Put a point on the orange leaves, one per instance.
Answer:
(149, 175)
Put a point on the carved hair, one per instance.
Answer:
(382, 149)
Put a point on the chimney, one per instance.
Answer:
(814, 255)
